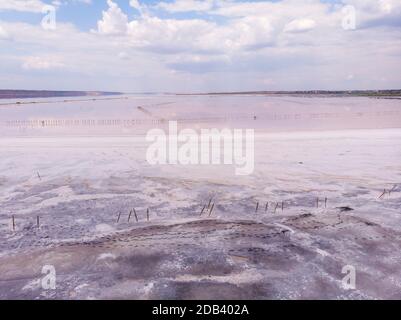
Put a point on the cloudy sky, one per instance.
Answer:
(194, 45)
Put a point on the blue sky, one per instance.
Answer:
(201, 45)
(85, 15)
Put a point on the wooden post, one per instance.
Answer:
(136, 216)
(129, 216)
(38, 222)
(267, 206)
(317, 202)
(13, 218)
(211, 210)
(257, 207)
(147, 214)
(384, 192)
(203, 210)
(282, 206)
(119, 216)
(210, 202)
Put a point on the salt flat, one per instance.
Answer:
(84, 179)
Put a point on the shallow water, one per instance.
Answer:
(132, 115)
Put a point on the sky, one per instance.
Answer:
(200, 45)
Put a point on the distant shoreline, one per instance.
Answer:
(29, 94)
(328, 93)
(26, 94)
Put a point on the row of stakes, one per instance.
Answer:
(208, 209)
(14, 224)
(133, 211)
(277, 205)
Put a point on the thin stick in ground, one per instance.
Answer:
(210, 202)
(257, 207)
(203, 210)
(211, 210)
(119, 216)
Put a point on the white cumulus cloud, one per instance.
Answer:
(186, 5)
(22, 5)
(41, 63)
(300, 25)
(114, 21)
(3, 33)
